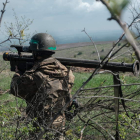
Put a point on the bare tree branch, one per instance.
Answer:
(93, 44)
(128, 34)
(3, 10)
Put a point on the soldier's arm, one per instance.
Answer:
(22, 85)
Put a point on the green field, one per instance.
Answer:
(97, 111)
(9, 103)
(89, 52)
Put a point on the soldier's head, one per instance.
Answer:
(42, 45)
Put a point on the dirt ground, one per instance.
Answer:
(82, 69)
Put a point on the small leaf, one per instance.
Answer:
(69, 132)
(10, 33)
(117, 6)
(22, 33)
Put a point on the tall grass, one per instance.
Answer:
(9, 104)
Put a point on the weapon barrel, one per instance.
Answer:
(113, 66)
(8, 56)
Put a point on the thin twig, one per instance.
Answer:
(82, 131)
(110, 86)
(5, 92)
(123, 25)
(9, 39)
(93, 44)
(2, 11)
(107, 97)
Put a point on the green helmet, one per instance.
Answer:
(42, 42)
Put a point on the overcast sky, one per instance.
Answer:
(62, 16)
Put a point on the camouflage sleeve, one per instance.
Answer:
(23, 86)
(71, 78)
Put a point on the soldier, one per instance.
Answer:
(46, 87)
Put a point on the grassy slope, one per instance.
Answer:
(89, 52)
(10, 102)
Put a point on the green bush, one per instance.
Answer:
(102, 50)
(102, 57)
(79, 53)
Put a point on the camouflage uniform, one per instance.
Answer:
(46, 87)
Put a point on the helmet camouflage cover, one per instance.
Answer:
(42, 42)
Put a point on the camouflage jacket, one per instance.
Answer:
(46, 86)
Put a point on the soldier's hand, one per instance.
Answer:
(18, 72)
(72, 110)
(16, 69)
